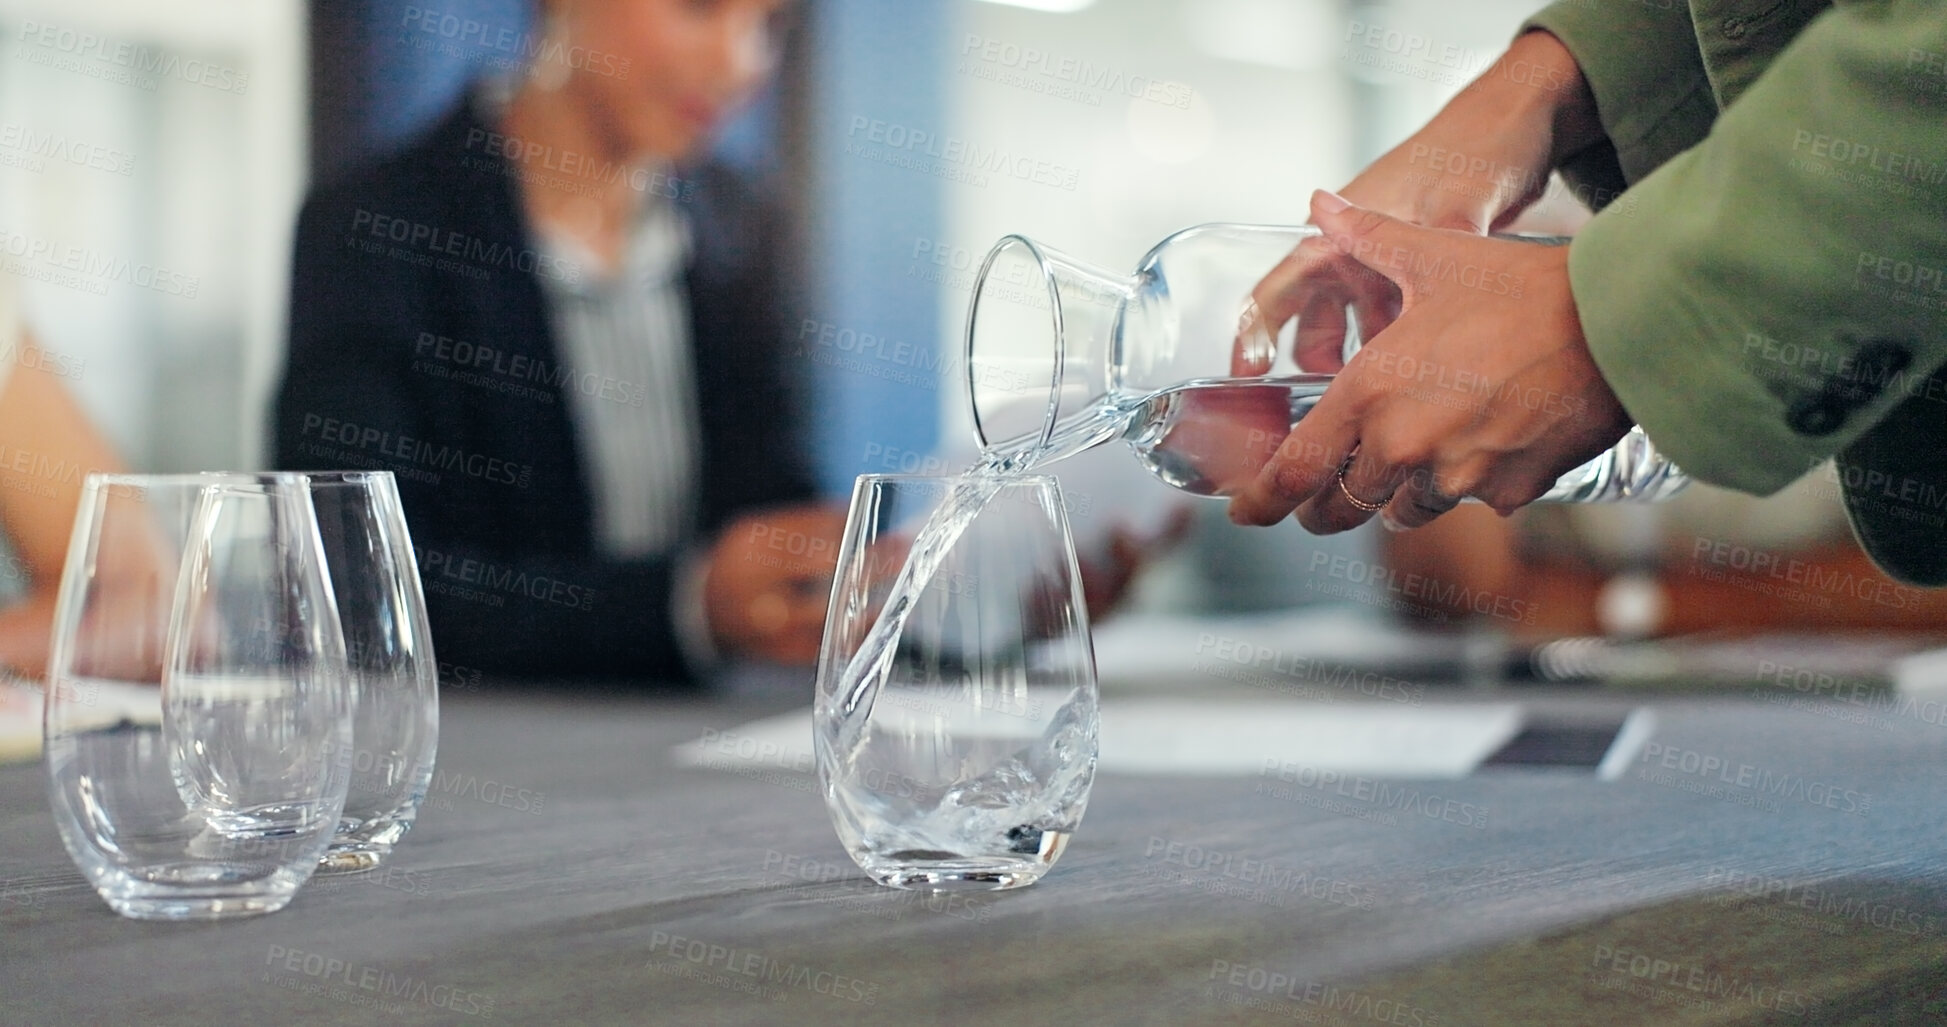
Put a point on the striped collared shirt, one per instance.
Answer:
(631, 389)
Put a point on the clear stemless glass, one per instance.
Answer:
(389, 645)
(969, 765)
(196, 684)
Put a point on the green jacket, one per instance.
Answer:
(1771, 290)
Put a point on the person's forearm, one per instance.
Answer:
(1487, 155)
(1576, 124)
(25, 628)
(1538, 86)
(1745, 243)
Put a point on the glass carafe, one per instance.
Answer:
(1062, 356)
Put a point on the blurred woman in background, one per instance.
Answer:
(565, 331)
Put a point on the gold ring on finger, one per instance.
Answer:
(1355, 500)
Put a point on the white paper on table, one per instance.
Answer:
(1184, 737)
(92, 705)
(1189, 738)
(1168, 649)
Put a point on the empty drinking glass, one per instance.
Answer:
(963, 758)
(389, 646)
(196, 685)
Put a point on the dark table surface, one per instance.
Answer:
(1756, 863)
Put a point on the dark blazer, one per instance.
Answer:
(420, 344)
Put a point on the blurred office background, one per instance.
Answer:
(153, 154)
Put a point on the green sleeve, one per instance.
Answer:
(1773, 292)
(1640, 59)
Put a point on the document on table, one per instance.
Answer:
(1287, 651)
(93, 705)
(1186, 737)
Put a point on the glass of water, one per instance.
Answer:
(389, 645)
(959, 756)
(196, 687)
